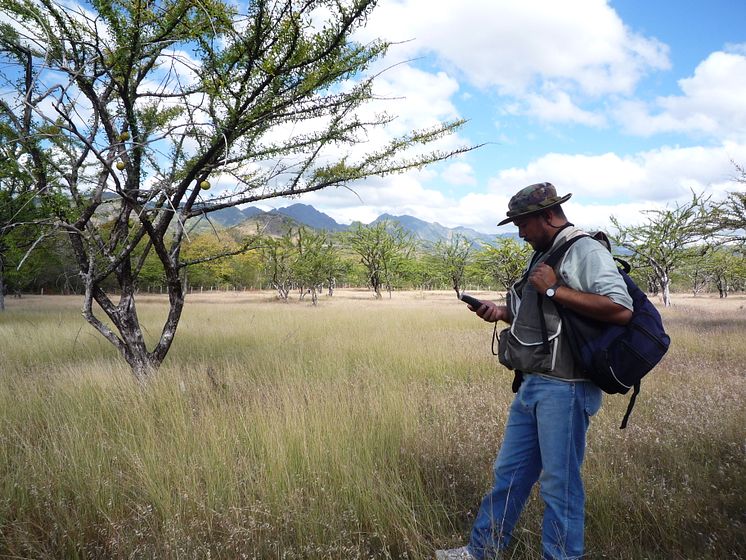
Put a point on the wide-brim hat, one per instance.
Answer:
(532, 199)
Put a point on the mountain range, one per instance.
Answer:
(276, 222)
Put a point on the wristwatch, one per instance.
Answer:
(551, 290)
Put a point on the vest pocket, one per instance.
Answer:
(528, 353)
(502, 348)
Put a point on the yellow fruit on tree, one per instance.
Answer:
(120, 165)
(204, 185)
(124, 136)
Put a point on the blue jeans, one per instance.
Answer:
(544, 440)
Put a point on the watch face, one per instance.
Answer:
(550, 292)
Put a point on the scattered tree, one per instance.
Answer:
(697, 269)
(20, 207)
(383, 248)
(726, 265)
(505, 261)
(315, 263)
(279, 257)
(661, 241)
(452, 257)
(730, 215)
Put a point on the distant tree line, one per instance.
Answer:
(669, 253)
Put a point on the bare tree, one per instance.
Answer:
(143, 106)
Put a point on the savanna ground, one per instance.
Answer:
(357, 429)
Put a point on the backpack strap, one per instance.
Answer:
(543, 325)
(552, 260)
(557, 254)
(631, 404)
(626, 267)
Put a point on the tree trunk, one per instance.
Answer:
(722, 285)
(666, 287)
(332, 284)
(282, 291)
(375, 283)
(128, 337)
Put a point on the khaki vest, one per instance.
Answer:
(521, 346)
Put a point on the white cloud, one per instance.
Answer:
(597, 216)
(459, 173)
(513, 46)
(417, 100)
(712, 102)
(420, 99)
(659, 175)
(558, 107)
(602, 186)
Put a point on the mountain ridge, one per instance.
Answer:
(307, 215)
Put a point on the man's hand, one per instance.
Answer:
(542, 277)
(491, 312)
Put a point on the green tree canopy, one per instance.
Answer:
(451, 258)
(661, 241)
(383, 248)
(505, 261)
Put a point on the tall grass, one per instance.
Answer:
(357, 429)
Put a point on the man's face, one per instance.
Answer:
(534, 231)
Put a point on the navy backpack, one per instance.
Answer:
(615, 357)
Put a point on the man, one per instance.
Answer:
(544, 437)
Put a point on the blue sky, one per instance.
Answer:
(629, 105)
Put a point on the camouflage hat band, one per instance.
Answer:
(533, 198)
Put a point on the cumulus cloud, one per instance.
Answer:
(558, 107)
(419, 98)
(666, 173)
(551, 65)
(537, 51)
(602, 186)
(459, 173)
(712, 102)
(510, 45)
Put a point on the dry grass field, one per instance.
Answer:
(355, 429)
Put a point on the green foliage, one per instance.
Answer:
(383, 248)
(208, 272)
(279, 256)
(727, 268)
(451, 259)
(729, 216)
(318, 261)
(663, 239)
(505, 261)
